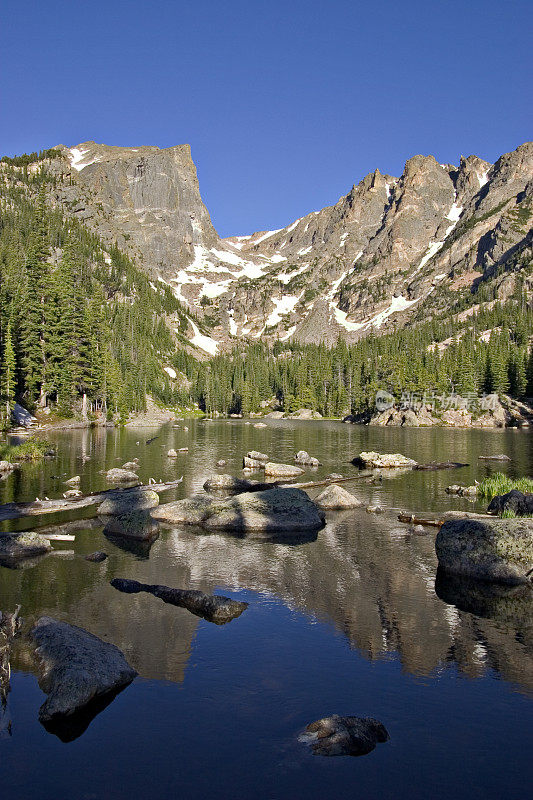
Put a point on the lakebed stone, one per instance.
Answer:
(76, 667)
(132, 525)
(344, 736)
(498, 550)
(303, 457)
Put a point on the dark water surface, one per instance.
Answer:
(346, 621)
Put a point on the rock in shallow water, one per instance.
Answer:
(97, 557)
(491, 550)
(519, 503)
(214, 608)
(372, 460)
(272, 510)
(76, 667)
(344, 736)
(17, 546)
(274, 470)
(118, 475)
(336, 497)
(127, 500)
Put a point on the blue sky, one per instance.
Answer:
(285, 104)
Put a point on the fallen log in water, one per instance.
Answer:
(37, 508)
(414, 519)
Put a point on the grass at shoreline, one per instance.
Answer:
(501, 484)
(30, 450)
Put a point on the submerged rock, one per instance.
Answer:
(492, 550)
(272, 510)
(252, 463)
(97, 557)
(432, 466)
(214, 608)
(334, 476)
(282, 470)
(500, 457)
(172, 453)
(519, 503)
(336, 497)
(76, 667)
(221, 463)
(118, 475)
(372, 460)
(127, 500)
(17, 546)
(344, 736)
(303, 457)
(75, 481)
(507, 605)
(133, 466)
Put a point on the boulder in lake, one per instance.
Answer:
(97, 557)
(275, 470)
(72, 494)
(132, 466)
(334, 476)
(260, 425)
(172, 453)
(132, 525)
(336, 497)
(499, 457)
(16, 546)
(76, 667)
(252, 463)
(374, 510)
(372, 460)
(228, 484)
(127, 500)
(118, 475)
(214, 608)
(221, 463)
(303, 457)
(75, 481)
(344, 736)
(273, 510)
(519, 503)
(498, 550)
(255, 455)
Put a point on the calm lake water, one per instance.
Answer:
(345, 621)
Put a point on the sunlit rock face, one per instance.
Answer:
(392, 250)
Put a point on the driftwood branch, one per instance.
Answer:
(38, 508)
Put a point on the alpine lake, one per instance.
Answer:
(351, 620)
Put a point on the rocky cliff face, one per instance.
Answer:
(390, 249)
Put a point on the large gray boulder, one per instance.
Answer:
(335, 497)
(255, 455)
(273, 510)
(274, 470)
(228, 484)
(373, 460)
(492, 550)
(17, 546)
(119, 475)
(344, 736)
(132, 524)
(76, 667)
(128, 500)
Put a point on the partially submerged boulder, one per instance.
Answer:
(75, 481)
(336, 497)
(172, 453)
(255, 455)
(7, 466)
(498, 550)
(372, 460)
(252, 463)
(272, 510)
(499, 457)
(118, 475)
(519, 503)
(303, 457)
(344, 736)
(127, 500)
(432, 466)
(214, 608)
(228, 484)
(274, 470)
(132, 466)
(76, 667)
(17, 546)
(133, 525)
